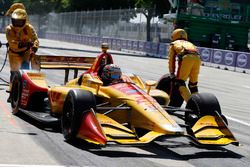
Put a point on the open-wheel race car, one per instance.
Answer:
(130, 111)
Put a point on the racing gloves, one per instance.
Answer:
(34, 49)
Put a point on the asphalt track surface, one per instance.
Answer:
(24, 142)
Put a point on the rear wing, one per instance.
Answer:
(66, 63)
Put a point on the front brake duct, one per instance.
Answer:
(90, 129)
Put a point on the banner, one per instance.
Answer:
(243, 62)
(130, 45)
(92, 41)
(109, 41)
(118, 44)
(206, 54)
(224, 59)
(104, 40)
(229, 60)
(162, 52)
(84, 40)
(154, 49)
(217, 57)
(124, 44)
(98, 41)
(114, 46)
(135, 45)
(141, 46)
(148, 47)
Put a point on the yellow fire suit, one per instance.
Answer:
(19, 54)
(188, 66)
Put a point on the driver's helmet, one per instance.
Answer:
(19, 18)
(111, 73)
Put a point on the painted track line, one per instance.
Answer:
(238, 121)
(10, 165)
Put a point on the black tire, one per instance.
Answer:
(76, 103)
(16, 92)
(201, 104)
(166, 84)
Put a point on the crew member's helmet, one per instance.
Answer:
(179, 34)
(111, 73)
(19, 18)
(14, 7)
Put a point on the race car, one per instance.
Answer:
(130, 111)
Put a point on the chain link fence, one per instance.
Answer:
(124, 30)
(120, 23)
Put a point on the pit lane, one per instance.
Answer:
(26, 142)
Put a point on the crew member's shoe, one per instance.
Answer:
(9, 100)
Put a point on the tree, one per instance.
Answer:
(101, 4)
(40, 7)
(46, 6)
(152, 8)
(36, 6)
(4, 5)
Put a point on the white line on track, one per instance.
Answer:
(6, 165)
(10, 165)
(49, 52)
(238, 121)
(246, 86)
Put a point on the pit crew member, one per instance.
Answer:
(23, 42)
(188, 63)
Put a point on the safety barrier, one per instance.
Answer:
(223, 59)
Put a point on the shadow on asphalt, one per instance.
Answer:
(56, 128)
(165, 149)
(155, 150)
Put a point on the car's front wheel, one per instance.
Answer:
(202, 104)
(77, 102)
(16, 91)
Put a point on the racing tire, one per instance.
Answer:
(77, 102)
(16, 91)
(202, 104)
(166, 84)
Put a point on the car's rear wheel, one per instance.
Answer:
(202, 104)
(16, 92)
(76, 103)
(166, 84)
